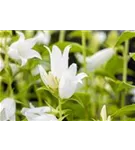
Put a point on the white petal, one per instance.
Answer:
(44, 121)
(14, 68)
(9, 107)
(23, 61)
(56, 57)
(65, 57)
(80, 76)
(13, 53)
(103, 113)
(101, 36)
(72, 69)
(68, 82)
(45, 117)
(31, 54)
(99, 58)
(43, 37)
(43, 75)
(79, 57)
(21, 36)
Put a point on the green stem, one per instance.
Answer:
(125, 63)
(38, 96)
(62, 36)
(84, 50)
(60, 109)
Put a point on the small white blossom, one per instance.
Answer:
(7, 110)
(22, 49)
(38, 113)
(101, 36)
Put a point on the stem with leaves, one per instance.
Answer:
(125, 63)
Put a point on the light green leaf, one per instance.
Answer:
(111, 39)
(42, 89)
(120, 85)
(75, 47)
(114, 65)
(126, 35)
(78, 34)
(124, 110)
(132, 55)
(79, 101)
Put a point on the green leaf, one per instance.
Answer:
(79, 101)
(125, 36)
(124, 110)
(75, 47)
(78, 34)
(132, 55)
(42, 89)
(111, 39)
(120, 85)
(114, 65)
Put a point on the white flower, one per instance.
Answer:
(132, 91)
(38, 114)
(69, 81)
(1, 64)
(43, 37)
(101, 36)
(98, 59)
(22, 49)
(59, 64)
(103, 114)
(7, 109)
(60, 76)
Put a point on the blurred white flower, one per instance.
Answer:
(101, 36)
(97, 59)
(38, 114)
(1, 64)
(22, 49)
(4, 40)
(7, 110)
(14, 68)
(60, 76)
(43, 37)
(103, 114)
(132, 91)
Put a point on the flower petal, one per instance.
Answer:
(43, 75)
(65, 57)
(80, 76)
(72, 69)
(68, 82)
(56, 56)
(103, 113)
(13, 53)
(99, 58)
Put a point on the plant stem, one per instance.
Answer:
(62, 36)
(60, 109)
(84, 50)
(38, 96)
(125, 63)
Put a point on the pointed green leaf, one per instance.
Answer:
(125, 110)
(126, 35)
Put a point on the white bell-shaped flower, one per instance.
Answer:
(22, 49)
(1, 64)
